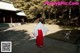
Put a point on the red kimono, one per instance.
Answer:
(39, 33)
(39, 38)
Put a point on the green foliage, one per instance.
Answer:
(30, 7)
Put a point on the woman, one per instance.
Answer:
(39, 33)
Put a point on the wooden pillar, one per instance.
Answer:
(11, 19)
(4, 19)
(22, 20)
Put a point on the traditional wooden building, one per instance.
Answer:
(21, 17)
(8, 13)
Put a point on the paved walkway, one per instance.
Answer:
(20, 37)
(51, 46)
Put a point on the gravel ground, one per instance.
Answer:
(29, 27)
(20, 37)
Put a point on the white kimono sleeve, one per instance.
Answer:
(41, 27)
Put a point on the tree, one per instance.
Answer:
(63, 14)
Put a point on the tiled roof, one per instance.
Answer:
(7, 6)
(21, 14)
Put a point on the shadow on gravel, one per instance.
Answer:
(4, 26)
(22, 43)
(71, 36)
(66, 35)
(14, 36)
